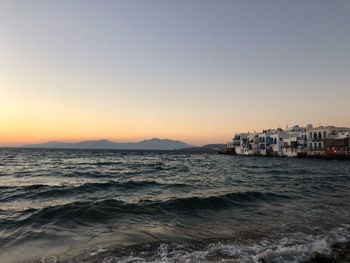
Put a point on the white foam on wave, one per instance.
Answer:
(99, 250)
(294, 249)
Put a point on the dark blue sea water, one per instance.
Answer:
(113, 206)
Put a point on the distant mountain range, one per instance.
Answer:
(151, 144)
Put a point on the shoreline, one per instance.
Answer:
(152, 252)
(340, 254)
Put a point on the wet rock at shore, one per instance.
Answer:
(340, 254)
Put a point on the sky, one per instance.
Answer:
(191, 70)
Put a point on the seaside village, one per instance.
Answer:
(296, 141)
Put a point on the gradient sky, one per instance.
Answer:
(192, 70)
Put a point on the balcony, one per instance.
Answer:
(315, 149)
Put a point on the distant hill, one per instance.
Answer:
(207, 148)
(151, 144)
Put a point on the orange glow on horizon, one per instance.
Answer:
(129, 76)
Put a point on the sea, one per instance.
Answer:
(106, 206)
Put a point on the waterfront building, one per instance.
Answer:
(238, 143)
(295, 141)
(276, 142)
(316, 137)
(338, 144)
(290, 146)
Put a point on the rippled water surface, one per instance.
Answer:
(113, 206)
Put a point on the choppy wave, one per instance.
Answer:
(295, 248)
(99, 211)
(48, 191)
(172, 207)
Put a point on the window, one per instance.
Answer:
(315, 135)
(320, 145)
(324, 134)
(310, 135)
(310, 144)
(320, 135)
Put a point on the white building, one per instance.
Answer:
(295, 143)
(276, 142)
(292, 142)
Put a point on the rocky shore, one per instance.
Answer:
(340, 254)
(150, 253)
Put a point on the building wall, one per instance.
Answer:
(295, 141)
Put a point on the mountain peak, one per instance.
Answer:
(103, 140)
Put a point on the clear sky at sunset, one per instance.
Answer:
(196, 71)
